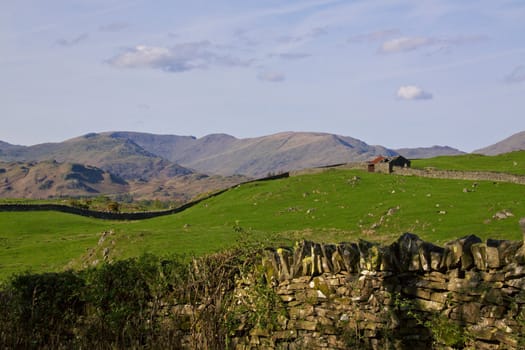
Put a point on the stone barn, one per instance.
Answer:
(387, 165)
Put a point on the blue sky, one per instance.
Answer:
(398, 73)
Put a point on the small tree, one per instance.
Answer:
(113, 207)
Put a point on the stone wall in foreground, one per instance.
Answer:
(408, 295)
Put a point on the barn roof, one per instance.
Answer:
(378, 160)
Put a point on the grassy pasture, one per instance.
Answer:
(512, 163)
(338, 205)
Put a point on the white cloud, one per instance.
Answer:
(405, 44)
(412, 92)
(271, 76)
(373, 36)
(180, 58)
(517, 75)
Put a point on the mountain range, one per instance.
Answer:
(515, 142)
(154, 166)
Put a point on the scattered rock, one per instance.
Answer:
(392, 211)
(502, 215)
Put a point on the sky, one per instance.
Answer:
(397, 73)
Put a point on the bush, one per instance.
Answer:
(41, 309)
(128, 304)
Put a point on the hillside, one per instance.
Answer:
(121, 157)
(133, 155)
(4, 146)
(226, 155)
(52, 179)
(428, 152)
(511, 163)
(515, 142)
(334, 206)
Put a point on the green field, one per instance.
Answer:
(512, 163)
(338, 205)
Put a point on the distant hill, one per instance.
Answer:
(428, 152)
(7, 146)
(119, 156)
(515, 142)
(175, 167)
(226, 155)
(53, 179)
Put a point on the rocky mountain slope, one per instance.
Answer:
(44, 171)
(52, 179)
(428, 152)
(515, 142)
(225, 155)
(121, 157)
(171, 166)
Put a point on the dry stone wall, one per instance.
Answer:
(411, 294)
(461, 175)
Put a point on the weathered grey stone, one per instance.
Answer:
(452, 255)
(507, 339)
(463, 285)
(350, 254)
(301, 312)
(417, 292)
(306, 325)
(287, 298)
(285, 263)
(493, 296)
(436, 260)
(327, 250)
(493, 312)
(259, 332)
(459, 254)
(338, 262)
(511, 251)
(492, 276)
(500, 252)
(369, 256)
(324, 297)
(406, 252)
(439, 297)
(507, 250)
(429, 305)
(482, 333)
(518, 283)
(287, 334)
(468, 312)
(479, 254)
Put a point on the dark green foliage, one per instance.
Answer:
(125, 304)
(113, 207)
(40, 309)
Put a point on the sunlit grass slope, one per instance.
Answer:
(337, 205)
(512, 163)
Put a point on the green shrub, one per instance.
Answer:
(41, 309)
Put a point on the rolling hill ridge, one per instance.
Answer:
(512, 143)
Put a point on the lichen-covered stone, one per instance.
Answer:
(366, 294)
